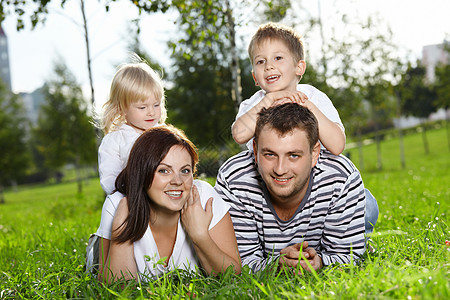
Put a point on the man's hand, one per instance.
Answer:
(291, 257)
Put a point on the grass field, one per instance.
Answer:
(44, 230)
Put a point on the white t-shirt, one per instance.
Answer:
(113, 155)
(317, 97)
(146, 251)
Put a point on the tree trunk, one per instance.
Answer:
(400, 130)
(425, 140)
(89, 65)
(236, 94)
(88, 52)
(378, 142)
(446, 127)
(402, 151)
(2, 197)
(361, 157)
(79, 179)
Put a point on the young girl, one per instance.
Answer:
(166, 215)
(136, 103)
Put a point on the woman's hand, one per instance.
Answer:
(195, 219)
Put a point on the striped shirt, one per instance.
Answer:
(330, 217)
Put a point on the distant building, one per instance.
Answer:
(5, 73)
(32, 103)
(432, 55)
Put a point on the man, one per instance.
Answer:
(291, 196)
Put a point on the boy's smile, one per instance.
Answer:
(274, 67)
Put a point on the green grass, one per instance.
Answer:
(44, 230)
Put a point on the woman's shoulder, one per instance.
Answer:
(206, 191)
(203, 187)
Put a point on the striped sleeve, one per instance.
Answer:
(343, 234)
(244, 214)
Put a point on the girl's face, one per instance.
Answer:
(172, 184)
(143, 115)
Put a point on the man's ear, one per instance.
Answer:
(301, 68)
(315, 154)
(255, 150)
(254, 78)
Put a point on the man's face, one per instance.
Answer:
(285, 163)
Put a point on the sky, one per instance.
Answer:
(415, 23)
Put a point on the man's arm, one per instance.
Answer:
(245, 227)
(343, 236)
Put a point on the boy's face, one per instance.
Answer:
(274, 67)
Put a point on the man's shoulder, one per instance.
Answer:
(337, 165)
(239, 165)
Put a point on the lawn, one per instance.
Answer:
(44, 230)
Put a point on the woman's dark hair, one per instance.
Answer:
(134, 181)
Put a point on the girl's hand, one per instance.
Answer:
(194, 218)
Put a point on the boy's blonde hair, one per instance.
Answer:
(133, 82)
(276, 31)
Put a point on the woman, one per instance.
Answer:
(167, 220)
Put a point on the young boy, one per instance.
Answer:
(277, 57)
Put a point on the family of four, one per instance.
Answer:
(290, 198)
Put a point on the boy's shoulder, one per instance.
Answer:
(308, 89)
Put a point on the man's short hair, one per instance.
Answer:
(287, 117)
(276, 31)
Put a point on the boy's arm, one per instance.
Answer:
(243, 129)
(331, 134)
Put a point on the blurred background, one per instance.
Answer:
(384, 64)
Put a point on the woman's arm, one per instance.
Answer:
(120, 263)
(216, 248)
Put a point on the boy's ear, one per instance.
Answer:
(254, 78)
(301, 68)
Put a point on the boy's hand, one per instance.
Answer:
(281, 97)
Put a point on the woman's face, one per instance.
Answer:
(172, 184)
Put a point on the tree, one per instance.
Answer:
(15, 156)
(442, 89)
(360, 62)
(64, 132)
(418, 98)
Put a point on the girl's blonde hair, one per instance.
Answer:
(133, 82)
